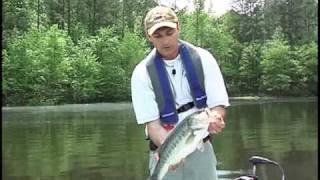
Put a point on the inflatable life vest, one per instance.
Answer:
(160, 81)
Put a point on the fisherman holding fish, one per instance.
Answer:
(174, 81)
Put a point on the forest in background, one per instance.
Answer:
(84, 51)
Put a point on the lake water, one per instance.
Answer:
(103, 141)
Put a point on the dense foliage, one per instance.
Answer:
(72, 51)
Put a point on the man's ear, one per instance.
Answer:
(147, 36)
(178, 27)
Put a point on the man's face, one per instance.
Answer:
(165, 40)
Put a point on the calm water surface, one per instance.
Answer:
(103, 141)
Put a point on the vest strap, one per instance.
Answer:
(199, 95)
(168, 114)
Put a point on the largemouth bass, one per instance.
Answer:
(183, 140)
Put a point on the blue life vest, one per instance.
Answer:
(160, 81)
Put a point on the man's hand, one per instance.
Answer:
(216, 117)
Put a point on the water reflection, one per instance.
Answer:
(103, 141)
(73, 145)
(283, 131)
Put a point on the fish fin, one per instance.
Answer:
(200, 146)
(190, 139)
(197, 132)
(200, 133)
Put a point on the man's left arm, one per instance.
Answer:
(217, 96)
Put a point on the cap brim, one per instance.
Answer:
(162, 24)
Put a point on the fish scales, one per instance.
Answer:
(181, 142)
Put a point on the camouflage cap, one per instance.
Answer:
(160, 16)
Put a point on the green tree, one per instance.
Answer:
(83, 72)
(250, 25)
(132, 49)
(305, 71)
(112, 77)
(33, 64)
(249, 70)
(19, 69)
(297, 18)
(276, 66)
(17, 15)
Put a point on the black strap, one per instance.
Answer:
(185, 107)
(152, 146)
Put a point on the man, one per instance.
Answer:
(173, 81)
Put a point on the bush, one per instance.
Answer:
(276, 67)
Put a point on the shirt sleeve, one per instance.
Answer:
(214, 84)
(143, 97)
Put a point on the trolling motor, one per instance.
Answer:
(257, 160)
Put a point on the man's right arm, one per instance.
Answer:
(145, 105)
(156, 133)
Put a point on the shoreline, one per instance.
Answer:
(271, 98)
(126, 104)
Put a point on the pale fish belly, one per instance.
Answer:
(178, 145)
(181, 152)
